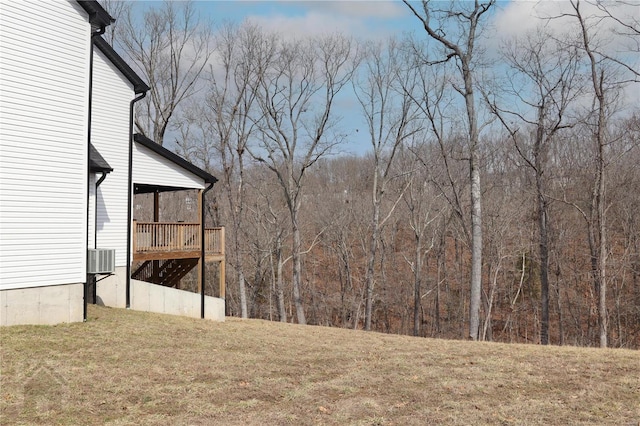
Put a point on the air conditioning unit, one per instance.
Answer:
(101, 261)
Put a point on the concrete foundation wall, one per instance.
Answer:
(64, 303)
(147, 297)
(165, 300)
(112, 290)
(42, 305)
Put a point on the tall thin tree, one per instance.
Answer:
(391, 118)
(544, 79)
(463, 21)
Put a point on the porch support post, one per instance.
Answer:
(201, 264)
(221, 269)
(156, 206)
(155, 264)
(202, 248)
(202, 278)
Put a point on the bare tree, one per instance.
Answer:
(463, 21)
(420, 201)
(443, 158)
(295, 97)
(544, 80)
(626, 27)
(268, 218)
(597, 223)
(118, 9)
(171, 47)
(243, 53)
(391, 118)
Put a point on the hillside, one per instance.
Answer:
(124, 367)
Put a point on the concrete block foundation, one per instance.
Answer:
(42, 305)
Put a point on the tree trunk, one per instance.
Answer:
(369, 279)
(417, 273)
(476, 248)
(297, 268)
(544, 258)
(243, 295)
(602, 296)
(599, 255)
(282, 309)
(476, 204)
(559, 304)
(442, 275)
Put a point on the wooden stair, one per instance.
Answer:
(168, 273)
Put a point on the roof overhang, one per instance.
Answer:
(99, 18)
(97, 163)
(139, 86)
(176, 159)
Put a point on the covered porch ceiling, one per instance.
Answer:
(145, 188)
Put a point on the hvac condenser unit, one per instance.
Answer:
(101, 261)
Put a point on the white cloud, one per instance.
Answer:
(311, 24)
(362, 8)
(363, 19)
(519, 17)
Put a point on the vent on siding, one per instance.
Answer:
(101, 261)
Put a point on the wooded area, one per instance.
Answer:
(498, 200)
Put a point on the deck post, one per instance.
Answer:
(200, 231)
(201, 198)
(221, 269)
(221, 272)
(155, 265)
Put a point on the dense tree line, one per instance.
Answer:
(498, 198)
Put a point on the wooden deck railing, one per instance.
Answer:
(214, 241)
(162, 245)
(153, 237)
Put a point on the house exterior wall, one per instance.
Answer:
(111, 96)
(152, 168)
(91, 234)
(44, 83)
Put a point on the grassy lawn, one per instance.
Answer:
(124, 367)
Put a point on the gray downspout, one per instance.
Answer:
(203, 264)
(130, 198)
(86, 254)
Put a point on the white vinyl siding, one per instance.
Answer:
(152, 168)
(91, 235)
(44, 79)
(111, 97)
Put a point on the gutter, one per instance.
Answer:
(85, 297)
(130, 199)
(203, 264)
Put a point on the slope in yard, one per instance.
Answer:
(125, 367)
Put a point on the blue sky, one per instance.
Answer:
(365, 19)
(379, 19)
(360, 18)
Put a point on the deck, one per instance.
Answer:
(158, 241)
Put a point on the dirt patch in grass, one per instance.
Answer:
(128, 368)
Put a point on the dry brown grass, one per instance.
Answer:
(124, 367)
